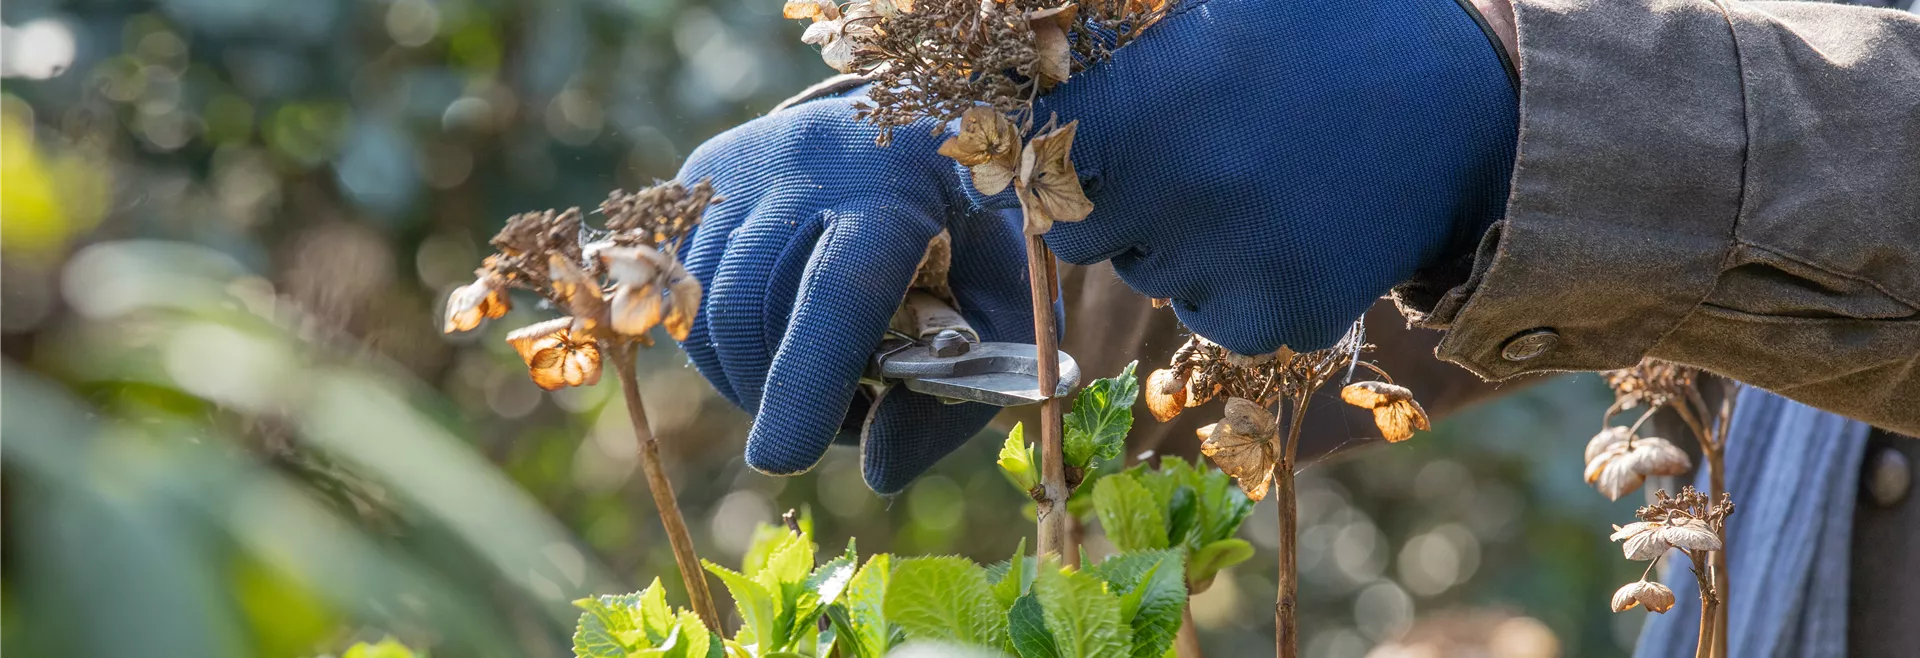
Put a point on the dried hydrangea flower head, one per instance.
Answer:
(1655, 596)
(614, 283)
(1688, 521)
(1202, 370)
(939, 58)
(1619, 462)
(1244, 444)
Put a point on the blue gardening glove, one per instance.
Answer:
(804, 262)
(1275, 166)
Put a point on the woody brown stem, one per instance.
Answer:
(1054, 536)
(1186, 642)
(1717, 483)
(1709, 603)
(1286, 632)
(662, 489)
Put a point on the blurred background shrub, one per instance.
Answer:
(231, 427)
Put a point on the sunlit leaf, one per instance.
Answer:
(944, 599)
(1132, 518)
(1082, 615)
(1102, 415)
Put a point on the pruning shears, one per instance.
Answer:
(933, 350)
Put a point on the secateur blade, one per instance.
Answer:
(1000, 374)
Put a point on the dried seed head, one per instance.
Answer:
(1048, 187)
(1243, 445)
(557, 354)
(1655, 596)
(1651, 381)
(1166, 394)
(484, 299)
(1395, 411)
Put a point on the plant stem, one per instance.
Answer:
(1709, 603)
(1717, 483)
(1186, 643)
(1054, 537)
(663, 497)
(1286, 635)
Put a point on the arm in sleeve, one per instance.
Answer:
(1730, 185)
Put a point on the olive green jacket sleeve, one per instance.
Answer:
(1730, 185)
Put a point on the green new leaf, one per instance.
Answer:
(387, 648)
(1012, 578)
(1153, 592)
(859, 621)
(1102, 414)
(944, 599)
(1016, 461)
(1211, 558)
(1027, 626)
(759, 610)
(1183, 514)
(1082, 615)
(1129, 513)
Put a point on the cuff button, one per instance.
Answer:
(1888, 477)
(1529, 344)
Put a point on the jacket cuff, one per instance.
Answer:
(1625, 190)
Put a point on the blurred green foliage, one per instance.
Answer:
(231, 428)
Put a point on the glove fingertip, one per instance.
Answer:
(907, 433)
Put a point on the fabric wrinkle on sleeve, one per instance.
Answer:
(1730, 185)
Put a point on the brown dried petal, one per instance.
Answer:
(1657, 456)
(1166, 394)
(1606, 438)
(1690, 534)
(1053, 54)
(683, 301)
(635, 266)
(554, 356)
(1242, 445)
(989, 144)
(579, 293)
(1655, 596)
(1397, 421)
(1048, 187)
(817, 10)
(1373, 394)
(1395, 411)
(1640, 540)
(1612, 476)
(472, 303)
(635, 310)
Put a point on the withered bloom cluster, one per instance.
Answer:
(615, 284)
(1691, 522)
(1619, 460)
(1246, 443)
(1652, 381)
(938, 58)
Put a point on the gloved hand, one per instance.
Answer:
(1272, 166)
(1276, 166)
(804, 261)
